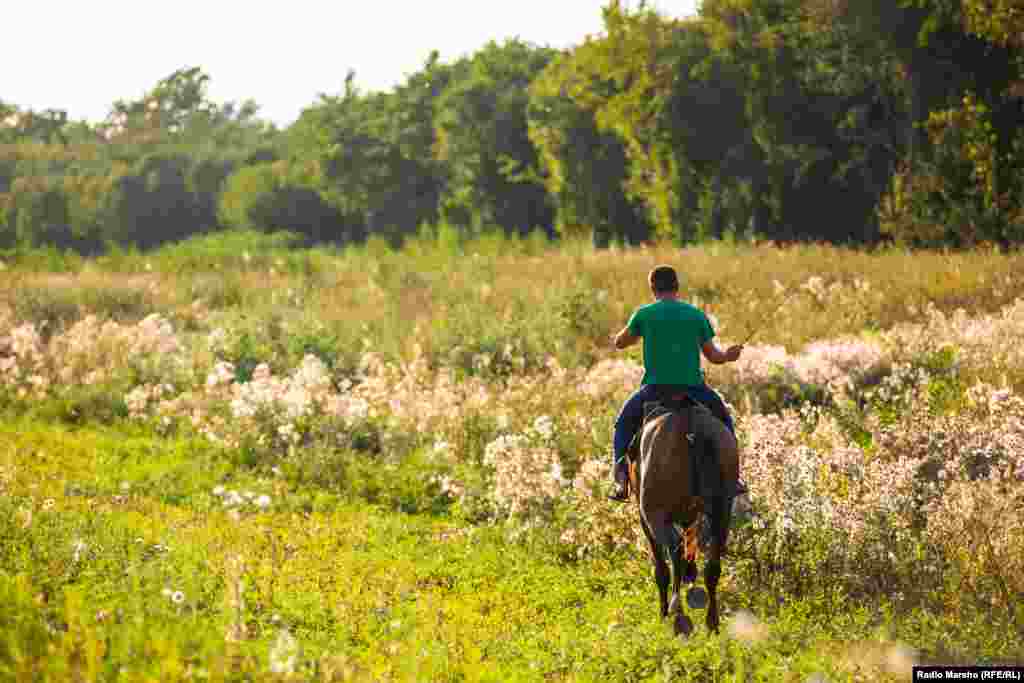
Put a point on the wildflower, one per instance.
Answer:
(49, 503)
(217, 339)
(745, 626)
(287, 432)
(556, 474)
(900, 659)
(223, 373)
(544, 426)
(177, 597)
(78, 547)
(262, 502)
(284, 653)
(1000, 396)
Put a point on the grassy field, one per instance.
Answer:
(229, 460)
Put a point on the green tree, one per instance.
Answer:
(585, 169)
(358, 144)
(959, 180)
(483, 137)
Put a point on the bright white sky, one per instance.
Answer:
(81, 56)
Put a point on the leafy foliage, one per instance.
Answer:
(851, 122)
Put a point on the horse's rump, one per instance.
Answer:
(719, 467)
(665, 475)
(686, 456)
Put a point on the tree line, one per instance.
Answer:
(851, 121)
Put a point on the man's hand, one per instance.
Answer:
(718, 356)
(624, 338)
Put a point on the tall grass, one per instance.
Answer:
(553, 298)
(380, 450)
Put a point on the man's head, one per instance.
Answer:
(663, 281)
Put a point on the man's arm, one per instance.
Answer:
(718, 356)
(625, 338)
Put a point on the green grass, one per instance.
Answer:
(375, 573)
(364, 588)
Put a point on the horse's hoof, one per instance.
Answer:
(697, 598)
(691, 573)
(683, 626)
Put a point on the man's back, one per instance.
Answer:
(673, 333)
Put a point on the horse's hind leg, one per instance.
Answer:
(660, 566)
(676, 553)
(684, 565)
(682, 624)
(720, 513)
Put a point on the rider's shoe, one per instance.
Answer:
(620, 493)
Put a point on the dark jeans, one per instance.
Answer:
(631, 417)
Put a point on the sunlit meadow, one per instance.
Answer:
(234, 460)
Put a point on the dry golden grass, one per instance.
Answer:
(498, 286)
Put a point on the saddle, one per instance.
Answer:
(669, 399)
(706, 480)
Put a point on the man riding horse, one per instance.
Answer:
(674, 333)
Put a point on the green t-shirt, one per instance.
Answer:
(673, 333)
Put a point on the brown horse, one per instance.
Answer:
(663, 480)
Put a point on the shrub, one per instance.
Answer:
(277, 196)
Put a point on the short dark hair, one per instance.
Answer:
(663, 280)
